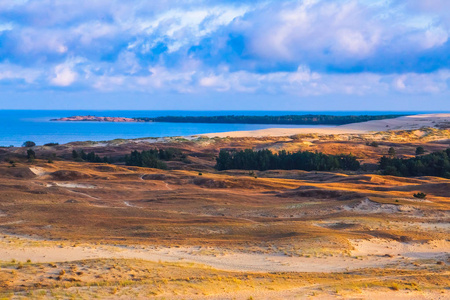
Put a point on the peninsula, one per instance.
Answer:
(309, 119)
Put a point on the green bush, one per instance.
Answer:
(31, 155)
(420, 150)
(29, 144)
(420, 195)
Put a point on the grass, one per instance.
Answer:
(125, 277)
(223, 212)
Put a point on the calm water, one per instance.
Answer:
(17, 126)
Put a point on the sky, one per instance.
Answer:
(225, 55)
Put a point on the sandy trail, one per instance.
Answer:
(130, 205)
(367, 254)
(84, 194)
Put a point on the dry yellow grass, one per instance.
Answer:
(112, 278)
(293, 214)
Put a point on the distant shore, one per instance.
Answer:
(358, 126)
(309, 119)
(414, 122)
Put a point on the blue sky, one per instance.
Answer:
(225, 55)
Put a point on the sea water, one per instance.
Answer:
(18, 126)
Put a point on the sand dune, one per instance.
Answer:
(371, 254)
(402, 123)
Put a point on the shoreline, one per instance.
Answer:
(288, 119)
(413, 122)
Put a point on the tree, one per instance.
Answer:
(29, 144)
(91, 156)
(420, 150)
(266, 160)
(83, 155)
(150, 159)
(391, 151)
(31, 155)
(433, 164)
(75, 154)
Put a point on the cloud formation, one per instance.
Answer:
(299, 48)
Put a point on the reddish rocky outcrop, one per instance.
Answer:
(96, 119)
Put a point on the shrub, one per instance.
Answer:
(51, 144)
(420, 150)
(395, 286)
(29, 144)
(420, 195)
(31, 155)
(391, 151)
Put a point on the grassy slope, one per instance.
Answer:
(291, 212)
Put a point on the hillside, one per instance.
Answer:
(193, 232)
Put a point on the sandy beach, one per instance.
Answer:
(402, 123)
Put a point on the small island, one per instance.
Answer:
(237, 119)
(96, 119)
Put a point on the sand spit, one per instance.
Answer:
(402, 123)
(366, 254)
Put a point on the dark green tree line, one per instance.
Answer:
(433, 164)
(286, 119)
(90, 157)
(266, 160)
(153, 158)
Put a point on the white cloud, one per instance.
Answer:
(301, 48)
(435, 37)
(6, 26)
(353, 42)
(63, 75)
(413, 83)
(10, 71)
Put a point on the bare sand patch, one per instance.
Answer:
(277, 132)
(366, 254)
(432, 249)
(370, 207)
(38, 171)
(73, 185)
